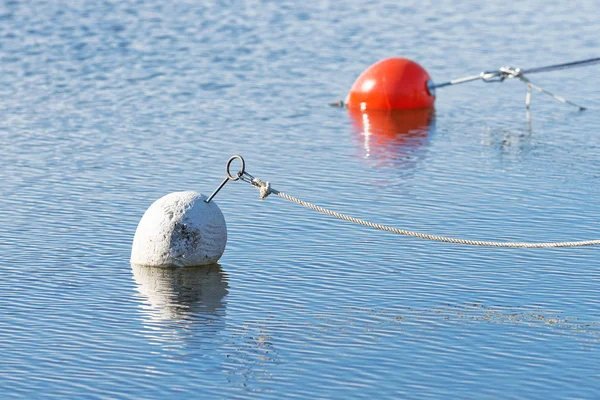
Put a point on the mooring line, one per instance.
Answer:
(509, 72)
(266, 189)
(558, 67)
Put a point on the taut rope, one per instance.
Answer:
(266, 189)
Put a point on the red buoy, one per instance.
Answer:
(392, 84)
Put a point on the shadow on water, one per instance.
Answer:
(190, 294)
(396, 137)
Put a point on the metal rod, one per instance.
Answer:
(229, 176)
(457, 81)
(216, 190)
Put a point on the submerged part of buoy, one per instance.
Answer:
(392, 84)
(180, 229)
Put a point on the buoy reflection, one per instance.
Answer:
(395, 135)
(189, 293)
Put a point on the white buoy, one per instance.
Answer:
(180, 229)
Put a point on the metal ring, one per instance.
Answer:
(240, 172)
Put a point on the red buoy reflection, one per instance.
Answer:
(392, 134)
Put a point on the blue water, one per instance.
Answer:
(107, 106)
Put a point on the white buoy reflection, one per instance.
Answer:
(183, 294)
(184, 315)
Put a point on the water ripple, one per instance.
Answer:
(107, 107)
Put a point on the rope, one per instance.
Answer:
(558, 67)
(266, 189)
(510, 72)
(530, 85)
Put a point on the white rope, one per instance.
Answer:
(266, 189)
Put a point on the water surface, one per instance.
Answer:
(108, 106)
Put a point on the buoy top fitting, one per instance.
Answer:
(392, 84)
